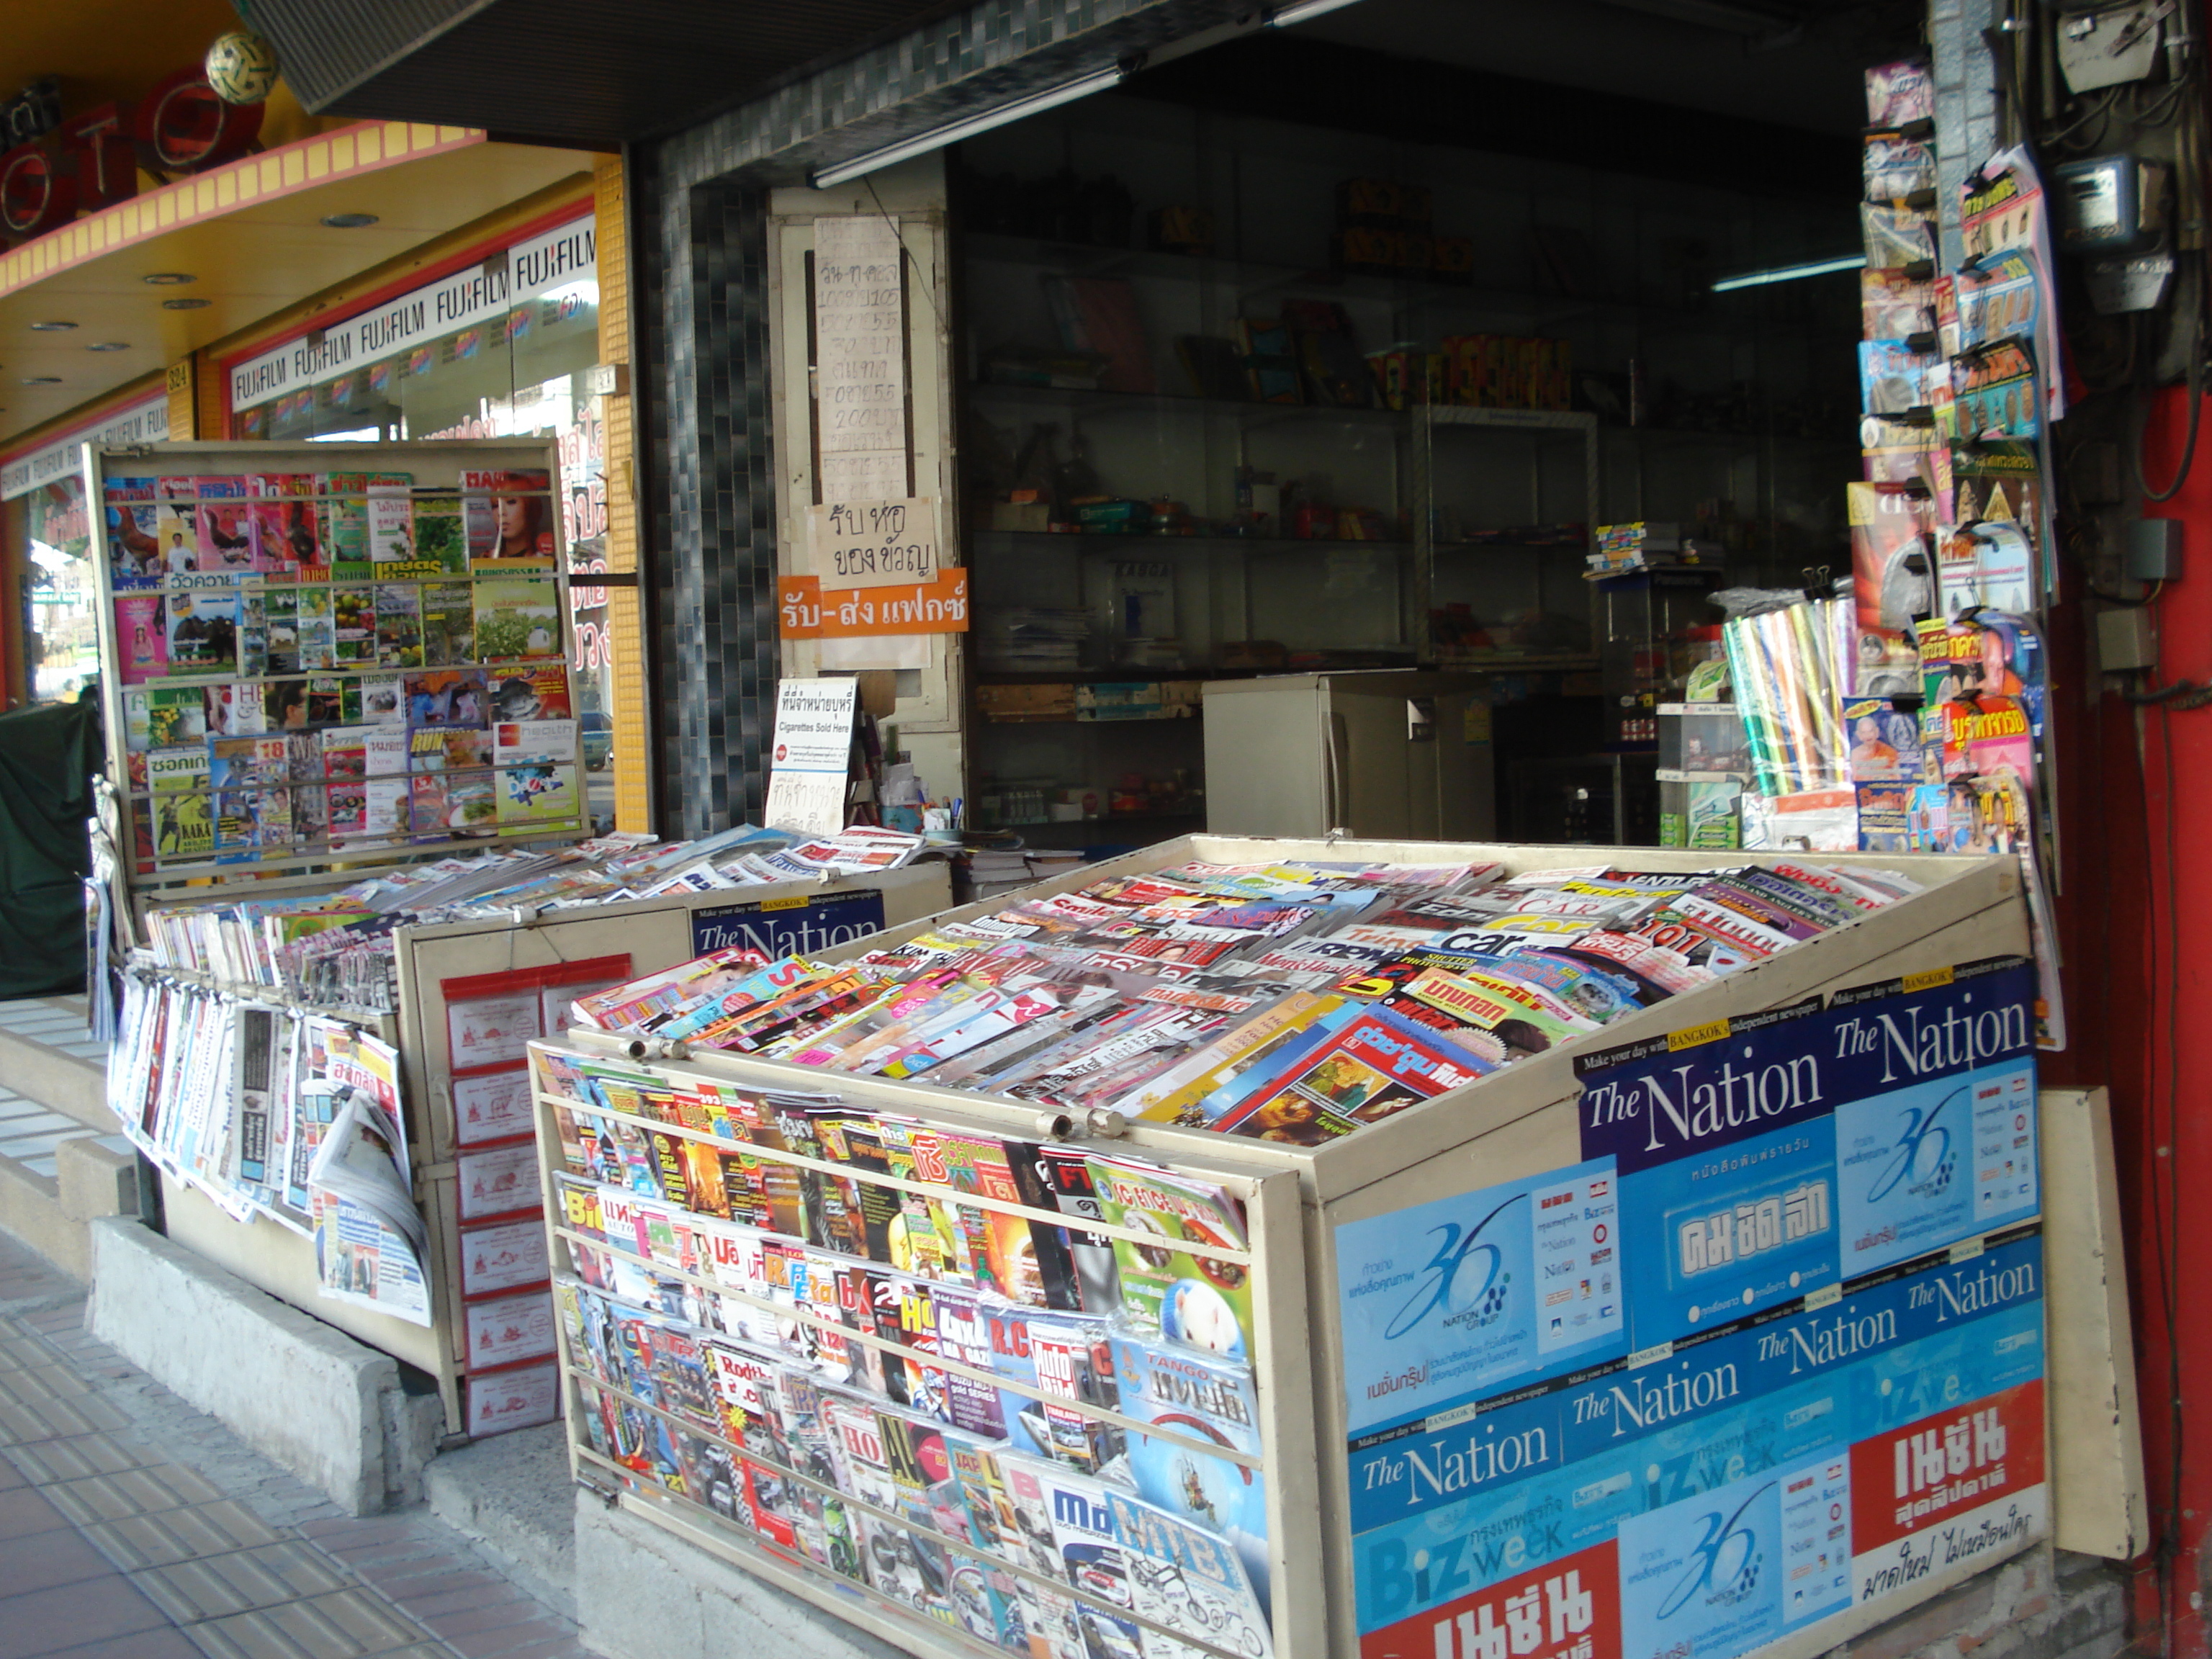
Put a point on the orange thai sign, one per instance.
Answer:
(805, 612)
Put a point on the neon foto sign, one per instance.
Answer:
(90, 161)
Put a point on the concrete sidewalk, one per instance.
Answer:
(133, 1527)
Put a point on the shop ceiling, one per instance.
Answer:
(247, 264)
(581, 72)
(104, 50)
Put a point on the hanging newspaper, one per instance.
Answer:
(369, 1238)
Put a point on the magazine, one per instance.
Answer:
(284, 525)
(225, 528)
(203, 630)
(141, 637)
(518, 618)
(509, 519)
(1894, 584)
(134, 551)
(537, 774)
(1200, 1398)
(1200, 1301)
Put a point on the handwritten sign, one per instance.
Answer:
(806, 612)
(875, 543)
(859, 331)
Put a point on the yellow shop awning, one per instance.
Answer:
(253, 236)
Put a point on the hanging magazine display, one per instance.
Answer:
(311, 665)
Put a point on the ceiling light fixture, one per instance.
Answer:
(52, 328)
(348, 221)
(42, 380)
(185, 305)
(1300, 11)
(969, 127)
(1790, 273)
(110, 345)
(169, 278)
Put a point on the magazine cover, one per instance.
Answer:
(1988, 564)
(141, 638)
(530, 692)
(280, 611)
(537, 781)
(1996, 394)
(315, 622)
(509, 519)
(1188, 1578)
(1897, 236)
(1201, 1398)
(134, 554)
(283, 525)
(441, 545)
(1200, 1301)
(164, 717)
(1885, 742)
(234, 709)
(449, 623)
(203, 636)
(226, 525)
(353, 616)
(184, 821)
(518, 619)
(176, 529)
(1893, 377)
(1894, 307)
(1375, 1065)
(447, 696)
(1893, 586)
(375, 699)
(250, 776)
(398, 625)
(1900, 93)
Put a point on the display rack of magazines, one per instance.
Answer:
(334, 652)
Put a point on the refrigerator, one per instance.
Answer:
(1389, 754)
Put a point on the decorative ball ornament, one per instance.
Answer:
(241, 68)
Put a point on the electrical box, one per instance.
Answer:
(2125, 642)
(2109, 204)
(2110, 46)
(2155, 550)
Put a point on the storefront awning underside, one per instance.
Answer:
(253, 238)
(576, 72)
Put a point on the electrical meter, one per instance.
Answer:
(2109, 204)
(2110, 46)
(2112, 209)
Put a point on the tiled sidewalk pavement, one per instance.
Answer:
(132, 1527)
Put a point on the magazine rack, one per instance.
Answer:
(441, 964)
(312, 478)
(1357, 1412)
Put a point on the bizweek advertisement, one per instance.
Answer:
(1772, 1352)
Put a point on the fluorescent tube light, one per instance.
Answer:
(1300, 11)
(968, 126)
(1791, 273)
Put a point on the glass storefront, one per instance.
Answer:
(503, 349)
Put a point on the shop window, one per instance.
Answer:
(61, 637)
(526, 372)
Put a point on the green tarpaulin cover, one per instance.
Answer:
(47, 757)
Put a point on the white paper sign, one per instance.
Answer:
(875, 543)
(502, 1180)
(493, 1107)
(814, 725)
(513, 1327)
(492, 1030)
(806, 803)
(860, 335)
(505, 1257)
(514, 1400)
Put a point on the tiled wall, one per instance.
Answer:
(699, 377)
